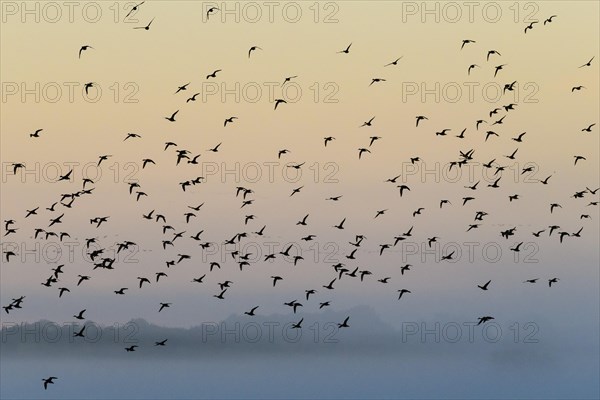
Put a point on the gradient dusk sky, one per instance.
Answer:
(135, 74)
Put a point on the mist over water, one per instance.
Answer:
(263, 358)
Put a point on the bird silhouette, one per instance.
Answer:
(253, 48)
(484, 286)
(172, 117)
(376, 80)
(588, 64)
(147, 27)
(84, 48)
(229, 120)
(330, 285)
(395, 62)
(278, 102)
(344, 324)
(346, 50)
(498, 68)
(134, 9)
(298, 325)
(193, 98)
(275, 279)
(48, 381)
(466, 41)
(79, 333)
(210, 11)
(288, 79)
(589, 128)
(369, 122)
(213, 74)
(530, 26)
(251, 312)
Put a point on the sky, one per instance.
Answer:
(135, 76)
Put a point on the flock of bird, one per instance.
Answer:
(51, 216)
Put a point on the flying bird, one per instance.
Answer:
(253, 48)
(492, 52)
(278, 102)
(193, 98)
(288, 79)
(147, 27)
(251, 312)
(484, 286)
(48, 381)
(369, 122)
(211, 10)
(485, 319)
(395, 62)
(344, 324)
(134, 9)
(229, 120)
(588, 129)
(361, 151)
(498, 68)
(376, 80)
(466, 41)
(589, 63)
(172, 117)
(347, 50)
(214, 74)
(84, 48)
(530, 26)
